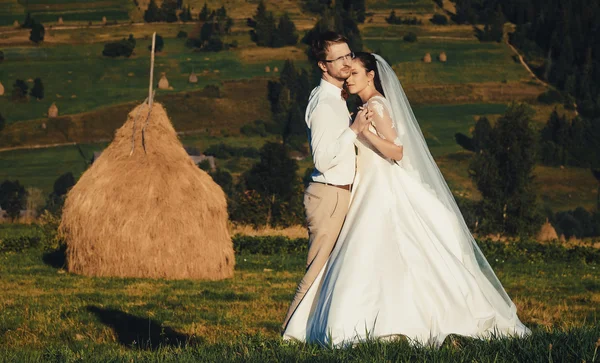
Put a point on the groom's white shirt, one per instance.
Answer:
(330, 137)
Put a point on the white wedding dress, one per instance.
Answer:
(398, 268)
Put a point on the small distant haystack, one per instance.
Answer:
(163, 83)
(104, 20)
(1, 89)
(267, 69)
(275, 70)
(53, 111)
(60, 21)
(16, 24)
(427, 58)
(547, 233)
(149, 212)
(193, 78)
(443, 57)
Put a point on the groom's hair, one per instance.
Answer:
(321, 44)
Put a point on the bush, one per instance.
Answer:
(204, 165)
(212, 91)
(550, 97)
(223, 151)
(117, 49)
(439, 19)
(1, 56)
(257, 128)
(159, 45)
(410, 37)
(522, 251)
(269, 245)
(182, 34)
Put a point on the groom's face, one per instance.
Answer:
(337, 62)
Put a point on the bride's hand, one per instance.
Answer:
(362, 120)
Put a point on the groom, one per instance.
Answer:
(331, 137)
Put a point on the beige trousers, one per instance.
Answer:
(326, 208)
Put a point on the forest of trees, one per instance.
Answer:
(559, 40)
(268, 32)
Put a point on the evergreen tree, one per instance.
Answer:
(204, 13)
(186, 14)
(2, 122)
(29, 22)
(179, 4)
(275, 181)
(168, 11)
(37, 33)
(152, 14)
(12, 198)
(158, 45)
(316, 6)
(37, 90)
(503, 173)
(356, 9)
(481, 134)
(265, 33)
(19, 92)
(287, 30)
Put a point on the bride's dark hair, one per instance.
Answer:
(370, 63)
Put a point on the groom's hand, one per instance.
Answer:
(362, 120)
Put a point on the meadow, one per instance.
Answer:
(50, 314)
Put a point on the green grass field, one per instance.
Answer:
(70, 10)
(48, 314)
(79, 79)
(468, 61)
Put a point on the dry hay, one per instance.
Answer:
(1, 89)
(547, 233)
(193, 78)
(16, 24)
(104, 20)
(163, 83)
(442, 57)
(275, 70)
(53, 110)
(150, 214)
(60, 21)
(267, 69)
(427, 58)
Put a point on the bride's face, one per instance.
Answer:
(359, 77)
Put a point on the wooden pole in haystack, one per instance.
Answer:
(150, 95)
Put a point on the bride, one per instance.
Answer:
(405, 263)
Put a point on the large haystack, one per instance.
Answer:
(149, 213)
(443, 57)
(547, 233)
(1, 89)
(427, 58)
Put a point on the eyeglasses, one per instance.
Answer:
(348, 56)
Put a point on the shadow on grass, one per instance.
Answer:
(56, 258)
(137, 332)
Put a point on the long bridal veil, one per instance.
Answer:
(419, 163)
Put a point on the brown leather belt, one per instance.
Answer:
(345, 187)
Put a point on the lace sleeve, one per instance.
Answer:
(382, 122)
